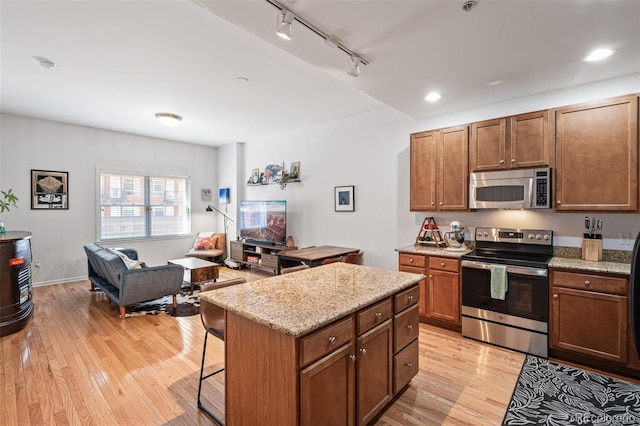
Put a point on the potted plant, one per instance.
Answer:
(7, 201)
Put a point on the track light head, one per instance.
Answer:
(353, 65)
(283, 24)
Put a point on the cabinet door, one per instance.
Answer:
(327, 390)
(375, 371)
(487, 144)
(453, 161)
(423, 171)
(589, 323)
(236, 251)
(597, 156)
(443, 294)
(529, 140)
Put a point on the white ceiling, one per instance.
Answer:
(119, 62)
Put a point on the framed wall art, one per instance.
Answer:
(345, 198)
(49, 190)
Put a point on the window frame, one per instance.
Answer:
(148, 206)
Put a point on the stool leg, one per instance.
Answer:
(202, 378)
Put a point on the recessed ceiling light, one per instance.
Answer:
(46, 63)
(242, 80)
(432, 97)
(598, 55)
(168, 119)
(468, 5)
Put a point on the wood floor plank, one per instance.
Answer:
(77, 362)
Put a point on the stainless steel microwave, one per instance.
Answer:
(512, 189)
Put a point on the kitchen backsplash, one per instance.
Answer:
(607, 255)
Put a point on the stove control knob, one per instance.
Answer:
(486, 234)
(546, 237)
(538, 237)
(479, 234)
(530, 236)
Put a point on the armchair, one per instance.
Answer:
(208, 246)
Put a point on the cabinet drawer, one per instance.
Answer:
(269, 260)
(444, 264)
(405, 328)
(374, 315)
(405, 366)
(326, 340)
(412, 269)
(403, 300)
(611, 285)
(412, 260)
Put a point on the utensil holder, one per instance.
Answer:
(591, 249)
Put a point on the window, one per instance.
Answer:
(138, 206)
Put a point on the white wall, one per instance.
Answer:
(59, 236)
(371, 151)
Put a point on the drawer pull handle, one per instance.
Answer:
(410, 297)
(352, 358)
(332, 339)
(411, 260)
(442, 264)
(409, 364)
(587, 283)
(363, 351)
(409, 327)
(378, 315)
(430, 276)
(555, 296)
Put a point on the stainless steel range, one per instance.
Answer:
(518, 317)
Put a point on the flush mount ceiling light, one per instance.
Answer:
(598, 55)
(432, 97)
(284, 21)
(46, 63)
(283, 24)
(168, 119)
(353, 66)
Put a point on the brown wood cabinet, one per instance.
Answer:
(438, 169)
(259, 256)
(416, 264)
(510, 142)
(443, 292)
(589, 319)
(597, 156)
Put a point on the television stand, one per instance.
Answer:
(263, 256)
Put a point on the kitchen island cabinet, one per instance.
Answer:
(316, 346)
(597, 156)
(589, 320)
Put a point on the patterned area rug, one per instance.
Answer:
(188, 305)
(554, 394)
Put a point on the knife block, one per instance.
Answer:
(591, 249)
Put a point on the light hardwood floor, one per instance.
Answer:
(77, 363)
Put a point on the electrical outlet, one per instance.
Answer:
(625, 238)
(37, 263)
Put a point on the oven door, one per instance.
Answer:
(526, 297)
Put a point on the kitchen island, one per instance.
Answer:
(327, 345)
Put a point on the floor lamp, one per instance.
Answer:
(210, 208)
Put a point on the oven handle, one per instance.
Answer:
(518, 270)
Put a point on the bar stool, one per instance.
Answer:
(213, 321)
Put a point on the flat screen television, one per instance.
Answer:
(264, 221)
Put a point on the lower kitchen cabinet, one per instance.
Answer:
(443, 292)
(416, 264)
(589, 319)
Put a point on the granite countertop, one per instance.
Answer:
(298, 303)
(590, 266)
(432, 251)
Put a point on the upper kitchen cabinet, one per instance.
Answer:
(597, 156)
(510, 142)
(423, 171)
(439, 168)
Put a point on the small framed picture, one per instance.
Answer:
(345, 198)
(49, 190)
(294, 171)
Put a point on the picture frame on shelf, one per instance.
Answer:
(254, 179)
(49, 190)
(294, 171)
(273, 173)
(344, 198)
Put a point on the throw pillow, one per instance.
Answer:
(130, 263)
(206, 243)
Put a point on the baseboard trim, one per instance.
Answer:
(60, 281)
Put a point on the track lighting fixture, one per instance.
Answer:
(283, 28)
(353, 66)
(283, 24)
